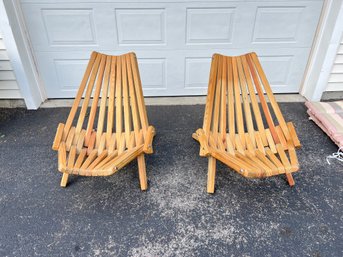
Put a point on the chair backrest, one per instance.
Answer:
(232, 101)
(113, 82)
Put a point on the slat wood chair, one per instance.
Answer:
(236, 132)
(98, 141)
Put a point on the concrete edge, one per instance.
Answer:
(159, 101)
(332, 95)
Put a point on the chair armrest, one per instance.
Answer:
(58, 137)
(147, 148)
(293, 134)
(200, 136)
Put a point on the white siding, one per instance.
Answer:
(335, 82)
(8, 84)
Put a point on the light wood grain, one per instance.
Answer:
(113, 97)
(232, 104)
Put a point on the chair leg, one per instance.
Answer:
(64, 179)
(211, 176)
(290, 179)
(142, 172)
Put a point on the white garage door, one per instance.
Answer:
(174, 41)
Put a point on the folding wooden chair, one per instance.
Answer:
(236, 132)
(104, 139)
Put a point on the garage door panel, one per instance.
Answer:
(209, 25)
(283, 29)
(140, 26)
(153, 73)
(197, 72)
(64, 71)
(283, 68)
(174, 41)
(111, 26)
(69, 26)
(69, 72)
(280, 25)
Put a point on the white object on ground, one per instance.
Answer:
(338, 155)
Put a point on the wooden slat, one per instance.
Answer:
(112, 143)
(235, 163)
(254, 102)
(94, 57)
(131, 141)
(212, 140)
(246, 102)
(91, 157)
(71, 157)
(58, 137)
(293, 134)
(264, 104)
(215, 119)
(111, 100)
(121, 144)
(271, 142)
(250, 147)
(283, 158)
(259, 142)
(134, 110)
(266, 161)
(222, 128)
(210, 94)
(70, 138)
(62, 157)
(238, 144)
(70, 164)
(119, 100)
(281, 137)
(102, 144)
(275, 160)
(80, 141)
(231, 101)
(142, 172)
(123, 159)
(104, 162)
(238, 104)
(211, 174)
(104, 92)
(140, 139)
(80, 158)
(253, 166)
(94, 107)
(229, 145)
(139, 93)
(127, 111)
(100, 158)
(220, 144)
(91, 144)
(293, 157)
(270, 95)
(76, 138)
(88, 95)
(266, 171)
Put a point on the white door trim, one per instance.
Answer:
(19, 51)
(323, 51)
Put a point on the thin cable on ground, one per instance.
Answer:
(337, 156)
